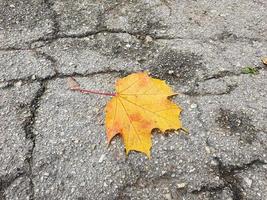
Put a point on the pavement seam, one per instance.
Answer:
(54, 18)
(227, 174)
(29, 134)
(220, 75)
(229, 90)
(140, 35)
(49, 58)
(7, 180)
(27, 80)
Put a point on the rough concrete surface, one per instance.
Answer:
(52, 140)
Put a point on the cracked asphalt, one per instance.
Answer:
(52, 140)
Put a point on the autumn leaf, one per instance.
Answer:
(140, 104)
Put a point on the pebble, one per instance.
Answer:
(93, 146)
(148, 39)
(33, 77)
(83, 184)
(181, 185)
(170, 72)
(207, 149)
(193, 105)
(46, 174)
(248, 181)
(168, 196)
(3, 85)
(101, 159)
(18, 84)
(214, 163)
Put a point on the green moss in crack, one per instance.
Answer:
(250, 70)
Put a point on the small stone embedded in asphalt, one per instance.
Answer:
(168, 196)
(207, 148)
(248, 181)
(148, 39)
(214, 163)
(181, 185)
(170, 72)
(18, 84)
(101, 159)
(193, 106)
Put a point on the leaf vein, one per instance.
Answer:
(147, 110)
(131, 125)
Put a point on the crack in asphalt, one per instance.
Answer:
(220, 75)
(227, 174)
(28, 129)
(7, 180)
(28, 80)
(140, 35)
(137, 34)
(223, 74)
(56, 27)
(29, 123)
(229, 90)
(49, 58)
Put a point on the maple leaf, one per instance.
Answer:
(140, 104)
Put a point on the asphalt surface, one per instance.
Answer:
(52, 140)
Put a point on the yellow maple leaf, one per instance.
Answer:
(140, 104)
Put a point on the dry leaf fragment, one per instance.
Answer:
(264, 60)
(141, 104)
(73, 84)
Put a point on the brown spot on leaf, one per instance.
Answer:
(135, 117)
(146, 124)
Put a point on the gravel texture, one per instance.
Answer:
(52, 140)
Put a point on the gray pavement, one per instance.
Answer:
(52, 140)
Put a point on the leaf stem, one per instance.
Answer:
(84, 91)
